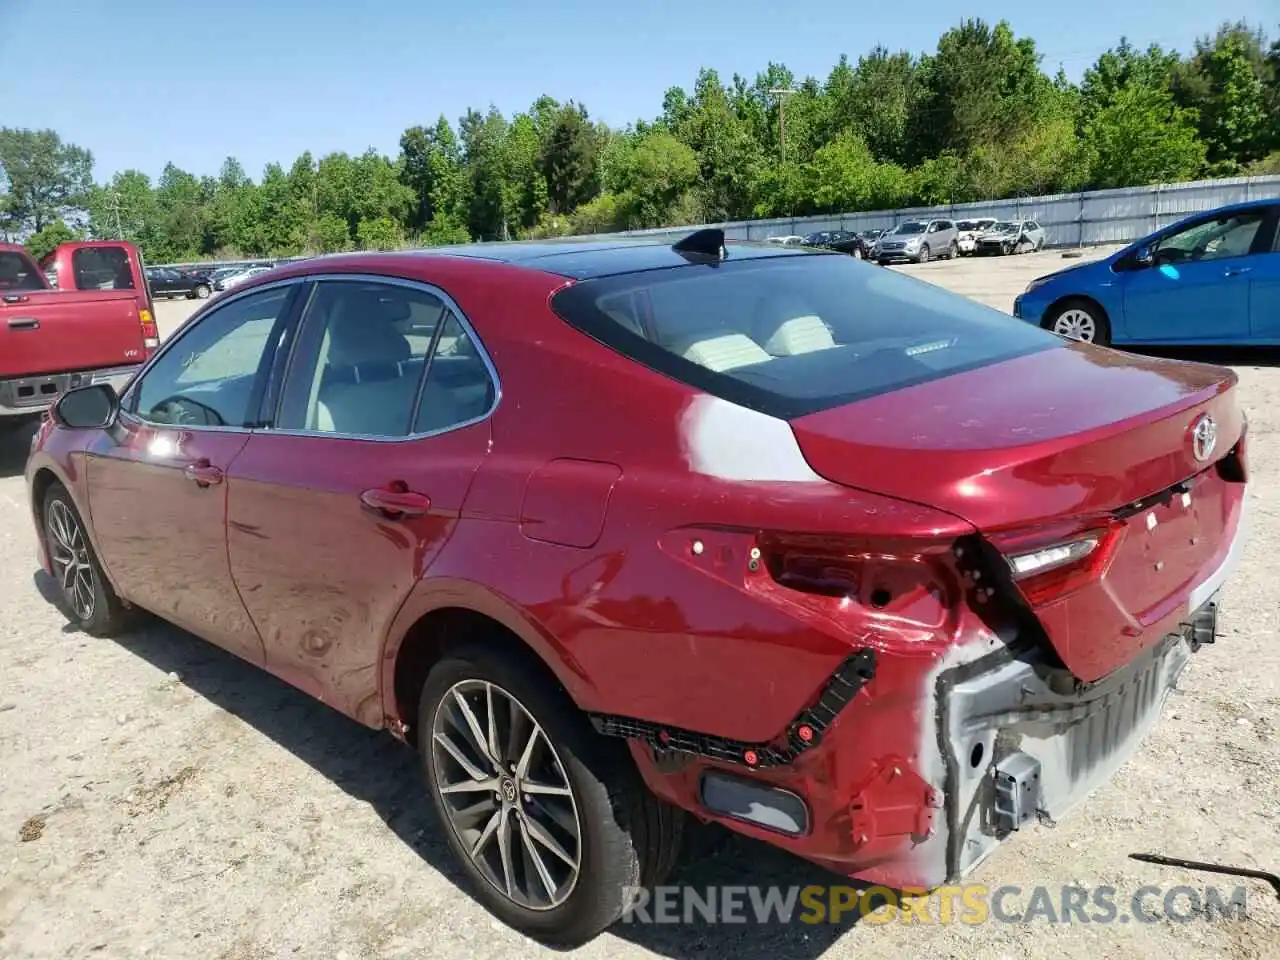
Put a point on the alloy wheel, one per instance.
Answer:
(1076, 324)
(69, 557)
(506, 794)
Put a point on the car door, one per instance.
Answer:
(1264, 285)
(338, 509)
(157, 489)
(1196, 287)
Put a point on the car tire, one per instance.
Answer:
(1079, 319)
(626, 838)
(924, 254)
(87, 596)
(202, 291)
(953, 251)
(857, 253)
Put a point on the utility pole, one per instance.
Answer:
(781, 93)
(115, 207)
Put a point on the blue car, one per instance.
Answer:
(1212, 278)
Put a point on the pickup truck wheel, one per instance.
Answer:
(202, 291)
(87, 596)
(551, 822)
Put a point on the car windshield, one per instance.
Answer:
(967, 225)
(1004, 227)
(793, 335)
(911, 226)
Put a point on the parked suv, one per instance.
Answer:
(919, 241)
(170, 282)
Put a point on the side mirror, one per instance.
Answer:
(87, 408)
(1143, 257)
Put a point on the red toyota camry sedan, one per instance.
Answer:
(620, 532)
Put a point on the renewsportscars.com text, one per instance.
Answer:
(969, 904)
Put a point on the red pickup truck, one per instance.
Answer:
(97, 325)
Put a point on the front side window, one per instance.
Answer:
(102, 268)
(1227, 236)
(796, 335)
(206, 377)
(361, 359)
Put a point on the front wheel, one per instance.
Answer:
(857, 253)
(1079, 320)
(202, 291)
(87, 595)
(924, 254)
(953, 251)
(550, 821)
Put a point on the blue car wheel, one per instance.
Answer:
(1079, 320)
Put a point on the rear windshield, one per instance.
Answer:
(789, 335)
(19, 273)
(102, 268)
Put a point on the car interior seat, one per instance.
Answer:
(786, 326)
(370, 380)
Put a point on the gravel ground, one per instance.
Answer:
(161, 798)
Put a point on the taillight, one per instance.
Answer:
(908, 580)
(150, 332)
(1046, 568)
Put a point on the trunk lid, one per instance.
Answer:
(1034, 450)
(60, 331)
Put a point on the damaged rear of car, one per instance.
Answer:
(996, 551)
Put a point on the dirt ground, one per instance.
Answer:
(160, 798)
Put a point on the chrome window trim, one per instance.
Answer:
(132, 419)
(317, 278)
(467, 327)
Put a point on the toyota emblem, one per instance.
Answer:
(1204, 437)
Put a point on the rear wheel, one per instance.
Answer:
(550, 821)
(88, 598)
(1079, 320)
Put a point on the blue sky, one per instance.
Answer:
(140, 82)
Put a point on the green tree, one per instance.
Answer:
(1226, 82)
(982, 84)
(1143, 137)
(653, 178)
(42, 178)
(570, 159)
(45, 241)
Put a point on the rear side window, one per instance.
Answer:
(790, 336)
(18, 273)
(102, 268)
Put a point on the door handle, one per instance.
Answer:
(203, 473)
(395, 504)
(16, 298)
(24, 323)
(1235, 271)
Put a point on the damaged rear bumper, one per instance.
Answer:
(1024, 742)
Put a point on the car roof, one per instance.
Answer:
(584, 259)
